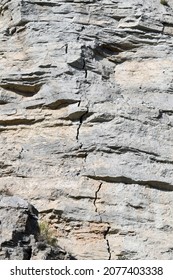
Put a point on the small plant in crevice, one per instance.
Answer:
(164, 2)
(46, 233)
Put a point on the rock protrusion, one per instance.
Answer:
(20, 237)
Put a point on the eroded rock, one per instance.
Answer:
(20, 234)
(86, 122)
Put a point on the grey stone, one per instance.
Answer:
(86, 123)
(20, 232)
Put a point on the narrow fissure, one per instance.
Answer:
(105, 233)
(77, 135)
(80, 123)
(159, 185)
(66, 48)
(96, 196)
(84, 64)
(107, 242)
(86, 73)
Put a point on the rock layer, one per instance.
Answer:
(86, 117)
(21, 237)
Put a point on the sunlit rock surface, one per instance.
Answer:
(86, 121)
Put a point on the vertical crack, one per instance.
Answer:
(80, 123)
(86, 73)
(84, 62)
(95, 201)
(66, 48)
(78, 129)
(107, 242)
(96, 197)
(105, 233)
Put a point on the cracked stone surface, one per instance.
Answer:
(20, 234)
(86, 121)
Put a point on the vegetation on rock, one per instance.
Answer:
(46, 233)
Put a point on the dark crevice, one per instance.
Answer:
(137, 207)
(79, 154)
(10, 31)
(14, 122)
(3, 102)
(7, 254)
(83, 61)
(66, 48)
(153, 159)
(22, 89)
(86, 73)
(107, 242)
(80, 123)
(96, 196)
(78, 128)
(108, 50)
(46, 4)
(4, 166)
(105, 233)
(168, 112)
(160, 185)
(161, 112)
(60, 103)
(27, 253)
(20, 29)
(124, 149)
(79, 197)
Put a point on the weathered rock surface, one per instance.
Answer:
(20, 234)
(86, 121)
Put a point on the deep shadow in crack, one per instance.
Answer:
(159, 185)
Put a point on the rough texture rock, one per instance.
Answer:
(21, 237)
(86, 121)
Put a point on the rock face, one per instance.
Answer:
(86, 121)
(20, 235)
